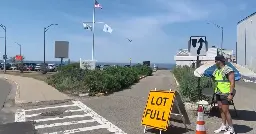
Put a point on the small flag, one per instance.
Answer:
(107, 29)
(87, 26)
(97, 4)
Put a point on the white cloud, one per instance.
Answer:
(145, 30)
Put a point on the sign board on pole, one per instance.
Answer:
(197, 45)
(61, 49)
(158, 109)
(4, 57)
(88, 64)
(18, 57)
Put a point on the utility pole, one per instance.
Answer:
(45, 30)
(222, 38)
(21, 60)
(5, 56)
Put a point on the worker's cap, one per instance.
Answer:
(220, 58)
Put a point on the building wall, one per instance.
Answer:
(246, 42)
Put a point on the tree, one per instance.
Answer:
(12, 59)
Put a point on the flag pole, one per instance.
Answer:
(93, 22)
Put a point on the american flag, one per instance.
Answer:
(97, 4)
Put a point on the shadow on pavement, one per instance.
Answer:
(171, 130)
(18, 128)
(214, 112)
(245, 115)
(242, 129)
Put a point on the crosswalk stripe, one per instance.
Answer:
(61, 118)
(66, 111)
(72, 131)
(36, 109)
(111, 127)
(20, 115)
(63, 124)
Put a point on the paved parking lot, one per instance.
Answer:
(67, 118)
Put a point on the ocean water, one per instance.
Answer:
(168, 66)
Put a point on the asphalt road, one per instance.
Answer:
(5, 88)
(119, 113)
(125, 108)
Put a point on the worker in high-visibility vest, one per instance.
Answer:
(224, 79)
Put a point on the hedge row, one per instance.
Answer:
(189, 83)
(72, 79)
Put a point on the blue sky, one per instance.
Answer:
(158, 28)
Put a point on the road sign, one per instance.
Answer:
(158, 109)
(61, 49)
(18, 57)
(4, 57)
(197, 45)
(88, 64)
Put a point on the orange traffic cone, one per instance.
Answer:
(200, 129)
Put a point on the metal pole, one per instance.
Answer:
(93, 22)
(5, 49)
(221, 40)
(45, 30)
(61, 62)
(20, 50)
(236, 53)
(198, 79)
(44, 43)
(130, 62)
(245, 49)
(218, 26)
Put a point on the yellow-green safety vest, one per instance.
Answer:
(222, 83)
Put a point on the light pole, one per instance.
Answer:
(88, 27)
(218, 26)
(5, 56)
(21, 60)
(19, 46)
(45, 30)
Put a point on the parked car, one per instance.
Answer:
(14, 67)
(29, 66)
(1, 66)
(32, 66)
(52, 67)
(44, 68)
(21, 67)
(8, 66)
(155, 68)
(37, 67)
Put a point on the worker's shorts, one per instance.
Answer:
(223, 99)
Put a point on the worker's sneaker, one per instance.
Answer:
(230, 131)
(223, 128)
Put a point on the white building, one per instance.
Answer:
(246, 42)
(183, 57)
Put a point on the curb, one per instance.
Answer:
(178, 84)
(141, 77)
(11, 99)
(39, 103)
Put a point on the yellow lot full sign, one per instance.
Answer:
(158, 108)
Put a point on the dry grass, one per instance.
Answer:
(32, 74)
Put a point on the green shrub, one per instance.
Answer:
(144, 70)
(73, 79)
(189, 83)
(69, 67)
